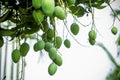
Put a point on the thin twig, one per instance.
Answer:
(73, 36)
(80, 22)
(113, 11)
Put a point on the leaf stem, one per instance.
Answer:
(80, 22)
(113, 12)
(73, 36)
(108, 53)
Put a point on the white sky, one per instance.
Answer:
(81, 63)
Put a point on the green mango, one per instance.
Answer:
(92, 41)
(38, 16)
(15, 56)
(74, 28)
(92, 34)
(50, 33)
(58, 42)
(118, 40)
(114, 30)
(1, 41)
(52, 53)
(39, 45)
(60, 13)
(48, 45)
(24, 48)
(58, 60)
(36, 3)
(67, 43)
(48, 7)
(52, 69)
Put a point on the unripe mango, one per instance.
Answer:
(58, 60)
(52, 69)
(50, 33)
(48, 45)
(24, 48)
(60, 13)
(36, 3)
(52, 53)
(118, 40)
(92, 34)
(58, 42)
(48, 7)
(114, 30)
(15, 56)
(39, 45)
(74, 28)
(38, 16)
(67, 43)
(92, 41)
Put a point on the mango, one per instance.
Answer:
(74, 28)
(24, 48)
(39, 45)
(48, 45)
(92, 34)
(38, 16)
(52, 69)
(58, 42)
(50, 33)
(15, 56)
(48, 7)
(92, 41)
(52, 53)
(67, 43)
(36, 3)
(114, 30)
(58, 60)
(60, 13)
(118, 40)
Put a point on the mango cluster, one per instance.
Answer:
(21, 52)
(47, 8)
(52, 53)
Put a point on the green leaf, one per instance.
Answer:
(79, 11)
(100, 7)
